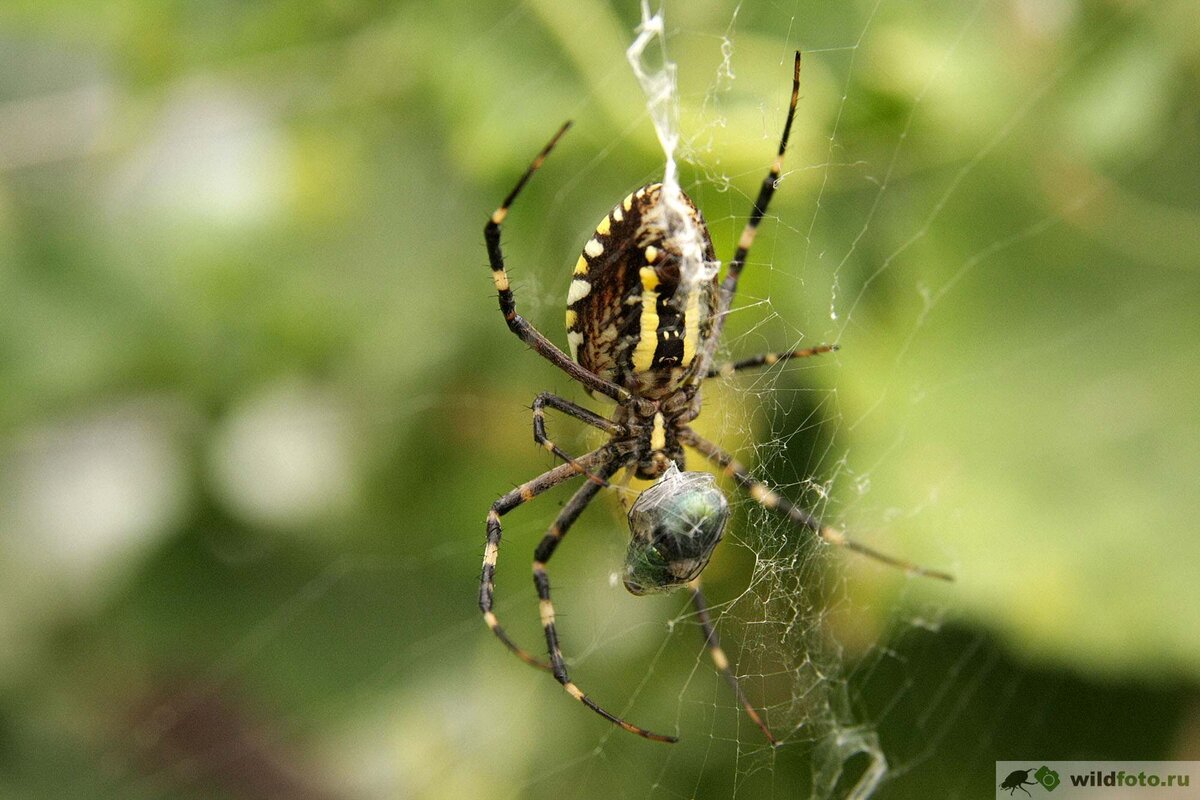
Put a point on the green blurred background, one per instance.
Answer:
(255, 397)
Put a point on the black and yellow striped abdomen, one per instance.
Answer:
(635, 315)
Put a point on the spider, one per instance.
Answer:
(642, 329)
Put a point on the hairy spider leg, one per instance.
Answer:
(766, 360)
(721, 661)
(772, 500)
(508, 306)
(557, 530)
(765, 193)
(606, 461)
(541, 581)
(522, 494)
(548, 399)
(624, 446)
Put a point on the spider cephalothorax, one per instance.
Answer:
(644, 315)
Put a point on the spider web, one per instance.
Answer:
(809, 645)
(870, 242)
(783, 616)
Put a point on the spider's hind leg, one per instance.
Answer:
(508, 304)
(729, 284)
(541, 580)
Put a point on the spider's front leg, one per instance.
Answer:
(770, 499)
(522, 494)
(606, 461)
(541, 580)
(721, 661)
(562, 523)
(550, 400)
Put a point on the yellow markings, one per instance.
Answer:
(649, 279)
(770, 359)
(546, 609)
(731, 469)
(651, 254)
(526, 493)
(691, 324)
(777, 167)
(642, 191)
(573, 690)
(490, 553)
(727, 369)
(579, 290)
(499, 214)
(549, 445)
(617, 215)
(581, 266)
(833, 536)
(658, 434)
(643, 354)
(572, 318)
(764, 495)
(493, 515)
(719, 659)
(602, 228)
(627, 203)
(490, 620)
(747, 238)
(500, 277)
(593, 248)
(574, 339)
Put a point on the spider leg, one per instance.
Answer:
(766, 360)
(770, 499)
(541, 580)
(508, 306)
(570, 409)
(522, 494)
(765, 193)
(721, 661)
(558, 529)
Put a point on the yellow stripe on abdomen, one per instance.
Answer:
(691, 324)
(643, 354)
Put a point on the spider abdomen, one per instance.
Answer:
(640, 306)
